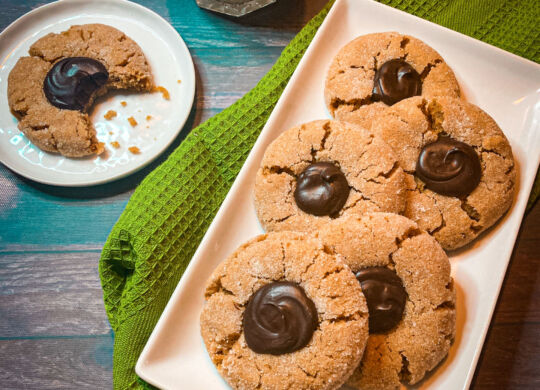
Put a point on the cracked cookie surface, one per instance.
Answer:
(350, 79)
(369, 165)
(415, 122)
(337, 343)
(70, 132)
(427, 329)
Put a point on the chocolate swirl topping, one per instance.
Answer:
(321, 189)
(385, 297)
(396, 80)
(449, 167)
(71, 82)
(279, 318)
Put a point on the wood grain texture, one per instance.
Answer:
(56, 363)
(53, 328)
(511, 355)
(51, 294)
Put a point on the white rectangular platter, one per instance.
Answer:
(504, 85)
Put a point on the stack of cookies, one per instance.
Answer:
(351, 284)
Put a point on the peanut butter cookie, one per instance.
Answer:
(51, 91)
(405, 277)
(459, 166)
(284, 312)
(324, 170)
(375, 71)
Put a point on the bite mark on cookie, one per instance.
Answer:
(28, 105)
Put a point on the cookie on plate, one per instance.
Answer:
(377, 70)
(284, 312)
(460, 169)
(51, 91)
(323, 170)
(405, 277)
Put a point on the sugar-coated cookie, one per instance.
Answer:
(323, 170)
(375, 71)
(283, 312)
(50, 91)
(459, 166)
(405, 276)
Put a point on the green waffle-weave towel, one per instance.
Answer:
(167, 216)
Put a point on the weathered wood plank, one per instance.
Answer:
(51, 294)
(510, 358)
(511, 355)
(519, 301)
(59, 363)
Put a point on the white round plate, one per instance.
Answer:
(159, 120)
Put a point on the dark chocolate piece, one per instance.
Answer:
(396, 80)
(321, 189)
(449, 167)
(279, 318)
(385, 297)
(70, 83)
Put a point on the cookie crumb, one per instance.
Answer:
(100, 148)
(178, 81)
(115, 144)
(123, 103)
(132, 121)
(111, 133)
(163, 92)
(109, 115)
(134, 150)
(148, 117)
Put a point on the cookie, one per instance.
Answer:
(284, 312)
(51, 91)
(459, 165)
(405, 276)
(323, 170)
(375, 71)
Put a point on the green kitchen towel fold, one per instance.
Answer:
(168, 214)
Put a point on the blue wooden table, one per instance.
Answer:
(54, 331)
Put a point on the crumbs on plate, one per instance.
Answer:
(123, 103)
(163, 92)
(115, 144)
(132, 121)
(134, 150)
(109, 115)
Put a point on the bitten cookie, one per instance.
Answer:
(375, 71)
(323, 170)
(50, 91)
(284, 312)
(405, 276)
(459, 166)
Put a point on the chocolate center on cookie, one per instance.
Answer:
(396, 80)
(449, 167)
(385, 296)
(279, 318)
(71, 82)
(321, 189)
